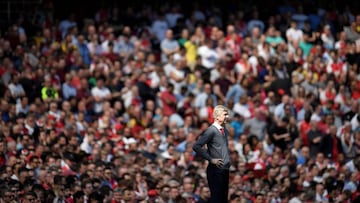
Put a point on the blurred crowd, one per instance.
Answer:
(106, 109)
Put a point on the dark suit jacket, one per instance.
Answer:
(327, 144)
(217, 146)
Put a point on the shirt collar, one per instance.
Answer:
(219, 127)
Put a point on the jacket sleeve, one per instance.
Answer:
(340, 148)
(204, 138)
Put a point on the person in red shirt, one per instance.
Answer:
(168, 100)
(354, 88)
(233, 41)
(304, 128)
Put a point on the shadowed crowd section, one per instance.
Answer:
(103, 101)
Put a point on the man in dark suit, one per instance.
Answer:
(330, 144)
(217, 153)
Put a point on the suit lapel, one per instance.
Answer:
(219, 132)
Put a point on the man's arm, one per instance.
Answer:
(198, 146)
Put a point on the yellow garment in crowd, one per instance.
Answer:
(191, 51)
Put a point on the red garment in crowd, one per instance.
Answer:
(76, 82)
(355, 93)
(69, 200)
(114, 183)
(323, 127)
(337, 68)
(59, 126)
(2, 70)
(145, 43)
(242, 66)
(136, 128)
(233, 42)
(111, 56)
(46, 186)
(298, 103)
(335, 151)
(168, 100)
(210, 111)
(304, 128)
(2, 160)
(330, 95)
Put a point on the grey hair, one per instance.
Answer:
(218, 109)
(284, 168)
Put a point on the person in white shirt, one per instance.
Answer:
(93, 45)
(327, 38)
(341, 43)
(242, 108)
(293, 34)
(170, 65)
(321, 193)
(268, 146)
(54, 111)
(100, 94)
(105, 48)
(16, 89)
(208, 55)
(22, 105)
(177, 75)
(153, 76)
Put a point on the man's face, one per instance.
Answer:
(8, 196)
(107, 198)
(207, 89)
(165, 192)
(188, 185)
(117, 196)
(169, 34)
(107, 174)
(205, 193)
(174, 192)
(100, 83)
(128, 195)
(80, 200)
(88, 188)
(99, 171)
(35, 163)
(222, 117)
(29, 199)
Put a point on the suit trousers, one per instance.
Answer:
(218, 180)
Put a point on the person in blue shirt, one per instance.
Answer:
(237, 124)
(83, 50)
(68, 90)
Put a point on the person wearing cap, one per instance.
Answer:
(218, 155)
